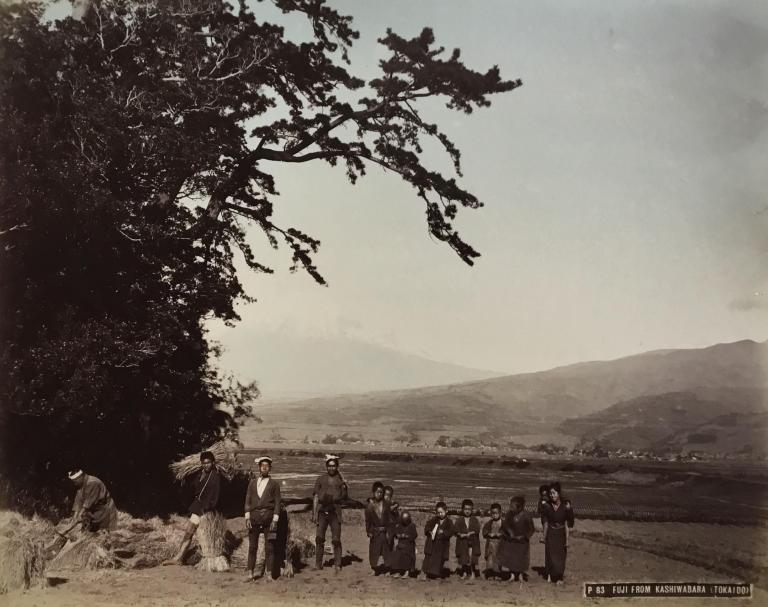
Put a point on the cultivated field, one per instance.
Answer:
(629, 548)
(587, 561)
(623, 490)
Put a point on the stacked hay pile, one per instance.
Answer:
(134, 544)
(22, 551)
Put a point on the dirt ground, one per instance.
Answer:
(588, 561)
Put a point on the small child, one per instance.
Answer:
(543, 501)
(402, 560)
(394, 513)
(437, 548)
(377, 526)
(492, 535)
(467, 529)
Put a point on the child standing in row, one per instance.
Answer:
(402, 559)
(467, 529)
(437, 548)
(492, 534)
(394, 513)
(515, 547)
(377, 526)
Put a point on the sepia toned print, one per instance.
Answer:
(331, 301)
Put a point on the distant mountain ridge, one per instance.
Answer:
(563, 392)
(707, 398)
(289, 366)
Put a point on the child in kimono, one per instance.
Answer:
(437, 548)
(467, 530)
(377, 527)
(394, 513)
(543, 502)
(492, 534)
(402, 559)
(515, 547)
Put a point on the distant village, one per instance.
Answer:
(484, 443)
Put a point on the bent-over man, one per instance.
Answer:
(93, 505)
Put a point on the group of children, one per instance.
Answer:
(392, 538)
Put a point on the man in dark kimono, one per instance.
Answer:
(93, 505)
(467, 529)
(329, 492)
(262, 512)
(207, 488)
(437, 548)
(402, 559)
(377, 527)
(515, 548)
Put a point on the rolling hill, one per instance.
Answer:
(709, 420)
(549, 396)
(698, 399)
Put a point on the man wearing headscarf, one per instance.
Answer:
(262, 511)
(93, 504)
(330, 490)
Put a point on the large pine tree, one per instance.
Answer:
(137, 146)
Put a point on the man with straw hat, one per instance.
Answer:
(93, 505)
(262, 511)
(330, 490)
(207, 490)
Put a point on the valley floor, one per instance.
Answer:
(589, 560)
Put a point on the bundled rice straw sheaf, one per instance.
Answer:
(212, 537)
(22, 551)
(225, 453)
(293, 546)
(134, 544)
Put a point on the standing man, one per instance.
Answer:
(330, 490)
(93, 505)
(207, 488)
(262, 511)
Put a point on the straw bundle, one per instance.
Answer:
(298, 551)
(212, 537)
(225, 453)
(84, 553)
(134, 544)
(293, 545)
(22, 551)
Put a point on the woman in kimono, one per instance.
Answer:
(492, 534)
(515, 548)
(377, 527)
(557, 517)
(437, 548)
(402, 559)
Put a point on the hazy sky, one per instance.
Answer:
(625, 185)
(625, 190)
